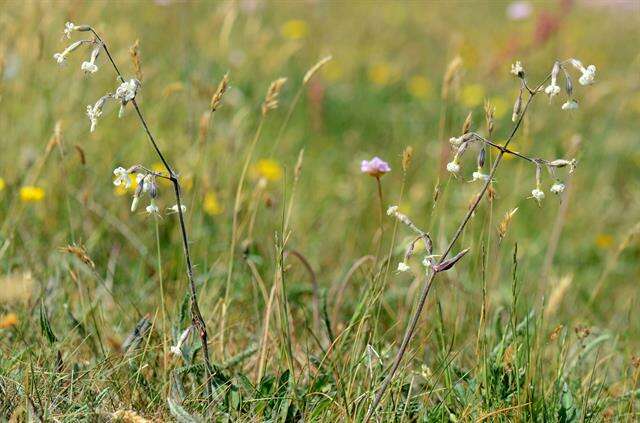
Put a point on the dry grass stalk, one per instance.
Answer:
(216, 99)
(134, 52)
(271, 99)
(451, 77)
(315, 68)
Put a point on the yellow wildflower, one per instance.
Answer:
(268, 169)
(211, 205)
(472, 95)
(8, 320)
(159, 167)
(31, 194)
(2, 184)
(121, 190)
(419, 87)
(380, 74)
(604, 241)
(295, 29)
(332, 70)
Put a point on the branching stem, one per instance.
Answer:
(196, 315)
(431, 273)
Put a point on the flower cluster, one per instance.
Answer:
(558, 186)
(145, 183)
(124, 93)
(587, 77)
(465, 141)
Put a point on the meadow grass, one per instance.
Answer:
(295, 270)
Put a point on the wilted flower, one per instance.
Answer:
(570, 105)
(538, 195)
(177, 349)
(558, 187)
(375, 167)
(122, 177)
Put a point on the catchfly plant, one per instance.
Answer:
(435, 263)
(147, 187)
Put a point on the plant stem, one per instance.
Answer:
(432, 274)
(196, 315)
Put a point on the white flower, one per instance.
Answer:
(403, 267)
(91, 66)
(60, 57)
(125, 93)
(552, 90)
(174, 208)
(127, 90)
(517, 69)
(588, 75)
(177, 349)
(558, 187)
(152, 208)
(538, 195)
(570, 105)
(453, 167)
(93, 115)
(144, 181)
(69, 27)
(456, 141)
(122, 177)
(479, 176)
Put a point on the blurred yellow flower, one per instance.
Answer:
(604, 241)
(121, 190)
(419, 87)
(2, 184)
(501, 105)
(472, 95)
(268, 169)
(380, 74)
(8, 320)
(159, 167)
(31, 194)
(332, 70)
(211, 205)
(294, 29)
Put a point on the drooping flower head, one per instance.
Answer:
(375, 167)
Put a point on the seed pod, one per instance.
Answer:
(568, 84)
(481, 157)
(555, 71)
(153, 188)
(517, 107)
(448, 264)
